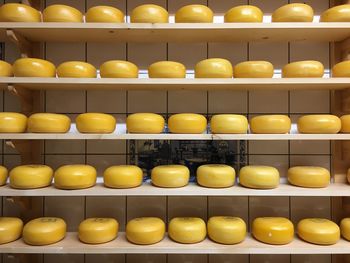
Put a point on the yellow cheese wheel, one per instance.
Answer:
(170, 176)
(149, 14)
(216, 175)
(303, 69)
(30, 176)
(229, 124)
(345, 123)
(226, 230)
(98, 230)
(348, 175)
(5, 69)
(309, 176)
(275, 124)
(3, 175)
(34, 67)
(104, 14)
(145, 123)
(13, 12)
(187, 230)
(123, 176)
(48, 123)
(145, 230)
(253, 69)
(244, 14)
(12, 122)
(318, 231)
(76, 69)
(259, 177)
(167, 69)
(95, 123)
(194, 14)
(119, 69)
(75, 176)
(341, 70)
(339, 13)
(10, 229)
(345, 228)
(187, 123)
(293, 13)
(213, 68)
(44, 231)
(62, 13)
(319, 124)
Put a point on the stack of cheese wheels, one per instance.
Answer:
(194, 14)
(76, 176)
(123, 176)
(10, 229)
(303, 69)
(33, 67)
(145, 230)
(341, 70)
(44, 231)
(273, 230)
(327, 124)
(274, 124)
(309, 176)
(149, 14)
(259, 177)
(62, 13)
(13, 12)
(95, 123)
(30, 176)
(145, 123)
(104, 14)
(318, 231)
(48, 123)
(345, 123)
(11, 122)
(167, 69)
(3, 175)
(216, 175)
(76, 69)
(170, 176)
(293, 13)
(189, 123)
(340, 13)
(227, 230)
(213, 68)
(119, 69)
(229, 124)
(98, 230)
(253, 69)
(245, 14)
(5, 69)
(345, 228)
(187, 230)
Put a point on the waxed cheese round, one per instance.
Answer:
(5, 69)
(104, 14)
(12, 122)
(95, 123)
(188, 123)
(145, 123)
(3, 175)
(13, 12)
(194, 14)
(323, 123)
(345, 123)
(33, 67)
(30, 176)
(309, 176)
(226, 230)
(119, 69)
(167, 69)
(348, 175)
(48, 123)
(244, 14)
(98, 230)
(274, 124)
(339, 13)
(149, 13)
(293, 13)
(229, 124)
(303, 69)
(76, 69)
(341, 70)
(123, 176)
(75, 176)
(145, 230)
(253, 69)
(259, 177)
(213, 68)
(170, 176)
(62, 13)
(10, 229)
(345, 228)
(187, 230)
(216, 175)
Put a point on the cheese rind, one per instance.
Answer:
(149, 13)
(10, 229)
(12, 122)
(187, 230)
(75, 176)
(167, 69)
(95, 123)
(270, 124)
(62, 13)
(341, 69)
(48, 123)
(303, 69)
(319, 124)
(216, 175)
(104, 14)
(145, 123)
(170, 176)
(293, 13)
(253, 69)
(339, 13)
(33, 67)
(229, 124)
(14, 12)
(259, 177)
(145, 230)
(98, 230)
(345, 228)
(119, 69)
(123, 176)
(244, 14)
(309, 176)
(226, 230)
(187, 123)
(30, 176)
(213, 68)
(194, 14)
(5, 69)
(3, 175)
(76, 69)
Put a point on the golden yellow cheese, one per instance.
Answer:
(149, 14)
(244, 14)
(30, 176)
(309, 176)
(3, 175)
(119, 69)
(76, 69)
(13, 12)
(34, 67)
(303, 69)
(345, 228)
(189, 123)
(229, 124)
(293, 13)
(12, 122)
(98, 230)
(339, 13)
(274, 124)
(273, 230)
(187, 230)
(145, 230)
(44, 231)
(194, 14)
(348, 175)
(167, 69)
(323, 123)
(318, 231)
(170, 176)
(345, 123)
(10, 229)
(5, 68)
(104, 14)
(259, 177)
(253, 69)
(145, 123)
(48, 123)
(213, 68)
(95, 123)
(123, 176)
(75, 176)
(62, 13)
(341, 70)
(216, 175)
(226, 230)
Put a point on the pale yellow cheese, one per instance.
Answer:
(30, 176)
(339, 13)
(216, 175)
(104, 14)
(13, 12)
(309, 176)
(303, 69)
(33, 67)
(214, 68)
(10, 229)
(75, 176)
(170, 176)
(98, 230)
(167, 69)
(323, 123)
(149, 13)
(341, 69)
(145, 230)
(293, 13)
(3, 175)
(123, 176)
(244, 14)
(12, 122)
(273, 124)
(226, 230)
(95, 123)
(188, 123)
(76, 69)
(229, 124)
(145, 123)
(345, 228)
(259, 177)
(119, 69)
(5, 68)
(48, 123)
(187, 230)
(194, 14)
(62, 13)
(253, 69)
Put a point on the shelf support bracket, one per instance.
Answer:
(26, 97)
(30, 150)
(24, 46)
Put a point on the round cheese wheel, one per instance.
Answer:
(167, 69)
(323, 123)
(273, 230)
(216, 175)
(10, 229)
(194, 14)
(48, 123)
(309, 176)
(98, 230)
(244, 14)
(187, 230)
(318, 231)
(303, 69)
(345, 228)
(145, 230)
(104, 14)
(62, 13)
(34, 67)
(341, 70)
(119, 69)
(75, 176)
(348, 175)
(13, 12)
(76, 69)
(253, 69)
(226, 230)
(44, 231)
(293, 13)
(5, 69)
(274, 124)
(12, 122)
(95, 123)
(213, 68)
(30, 176)
(345, 123)
(228, 124)
(187, 123)
(149, 14)
(145, 123)
(259, 177)
(170, 176)
(339, 13)
(123, 176)
(3, 175)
